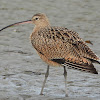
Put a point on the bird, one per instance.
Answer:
(59, 46)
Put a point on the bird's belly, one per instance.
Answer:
(49, 62)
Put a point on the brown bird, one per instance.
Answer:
(59, 46)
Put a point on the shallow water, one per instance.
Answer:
(21, 69)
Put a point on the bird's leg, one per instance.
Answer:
(65, 76)
(46, 76)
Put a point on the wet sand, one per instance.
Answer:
(22, 71)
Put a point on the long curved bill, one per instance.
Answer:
(17, 23)
(30, 21)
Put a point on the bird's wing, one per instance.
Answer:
(67, 48)
(76, 42)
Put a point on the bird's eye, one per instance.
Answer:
(36, 18)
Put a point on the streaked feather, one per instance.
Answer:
(55, 43)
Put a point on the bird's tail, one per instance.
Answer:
(84, 65)
(98, 60)
(87, 68)
(95, 61)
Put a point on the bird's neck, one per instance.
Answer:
(40, 26)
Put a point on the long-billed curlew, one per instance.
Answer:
(59, 46)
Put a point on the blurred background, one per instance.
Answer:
(21, 69)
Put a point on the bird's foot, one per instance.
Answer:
(41, 94)
(66, 95)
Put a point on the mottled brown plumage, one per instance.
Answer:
(59, 46)
(58, 43)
